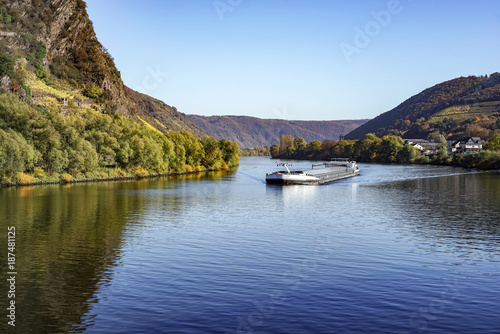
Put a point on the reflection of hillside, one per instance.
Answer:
(446, 210)
(68, 239)
(193, 191)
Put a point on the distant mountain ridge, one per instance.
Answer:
(450, 108)
(251, 132)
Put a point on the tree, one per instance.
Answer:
(6, 66)
(389, 148)
(274, 150)
(409, 154)
(16, 155)
(38, 57)
(436, 137)
(493, 143)
(99, 132)
(82, 157)
(300, 145)
(344, 149)
(193, 149)
(229, 152)
(213, 154)
(313, 149)
(366, 149)
(328, 145)
(93, 91)
(442, 153)
(286, 145)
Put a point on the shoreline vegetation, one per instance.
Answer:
(388, 149)
(48, 145)
(28, 180)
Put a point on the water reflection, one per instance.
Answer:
(293, 195)
(214, 242)
(70, 240)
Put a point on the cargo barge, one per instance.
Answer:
(326, 172)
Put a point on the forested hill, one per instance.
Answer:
(66, 115)
(466, 106)
(250, 132)
(50, 55)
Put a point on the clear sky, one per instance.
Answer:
(291, 59)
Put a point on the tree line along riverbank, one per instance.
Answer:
(388, 149)
(44, 145)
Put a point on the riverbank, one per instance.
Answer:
(388, 149)
(30, 180)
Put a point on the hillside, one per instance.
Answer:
(51, 57)
(466, 106)
(66, 115)
(250, 132)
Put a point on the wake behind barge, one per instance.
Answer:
(319, 173)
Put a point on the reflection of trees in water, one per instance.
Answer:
(68, 239)
(460, 212)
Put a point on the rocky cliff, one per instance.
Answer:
(57, 59)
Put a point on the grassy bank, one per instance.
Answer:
(109, 174)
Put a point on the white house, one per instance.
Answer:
(467, 145)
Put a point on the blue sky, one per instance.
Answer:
(303, 60)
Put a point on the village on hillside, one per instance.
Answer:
(465, 145)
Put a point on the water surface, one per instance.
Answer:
(398, 249)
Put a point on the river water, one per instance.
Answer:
(398, 249)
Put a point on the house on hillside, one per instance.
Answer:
(453, 146)
(418, 146)
(467, 145)
(425, 146)
(416, 141)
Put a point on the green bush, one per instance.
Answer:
(424, 159)
(93, 91)
(37, 58)
(27, 89)
(39, 173)
(6, 66)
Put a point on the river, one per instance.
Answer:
(398, 249)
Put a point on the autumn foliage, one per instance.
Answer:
(85, 143)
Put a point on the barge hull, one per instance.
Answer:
(334, 176)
